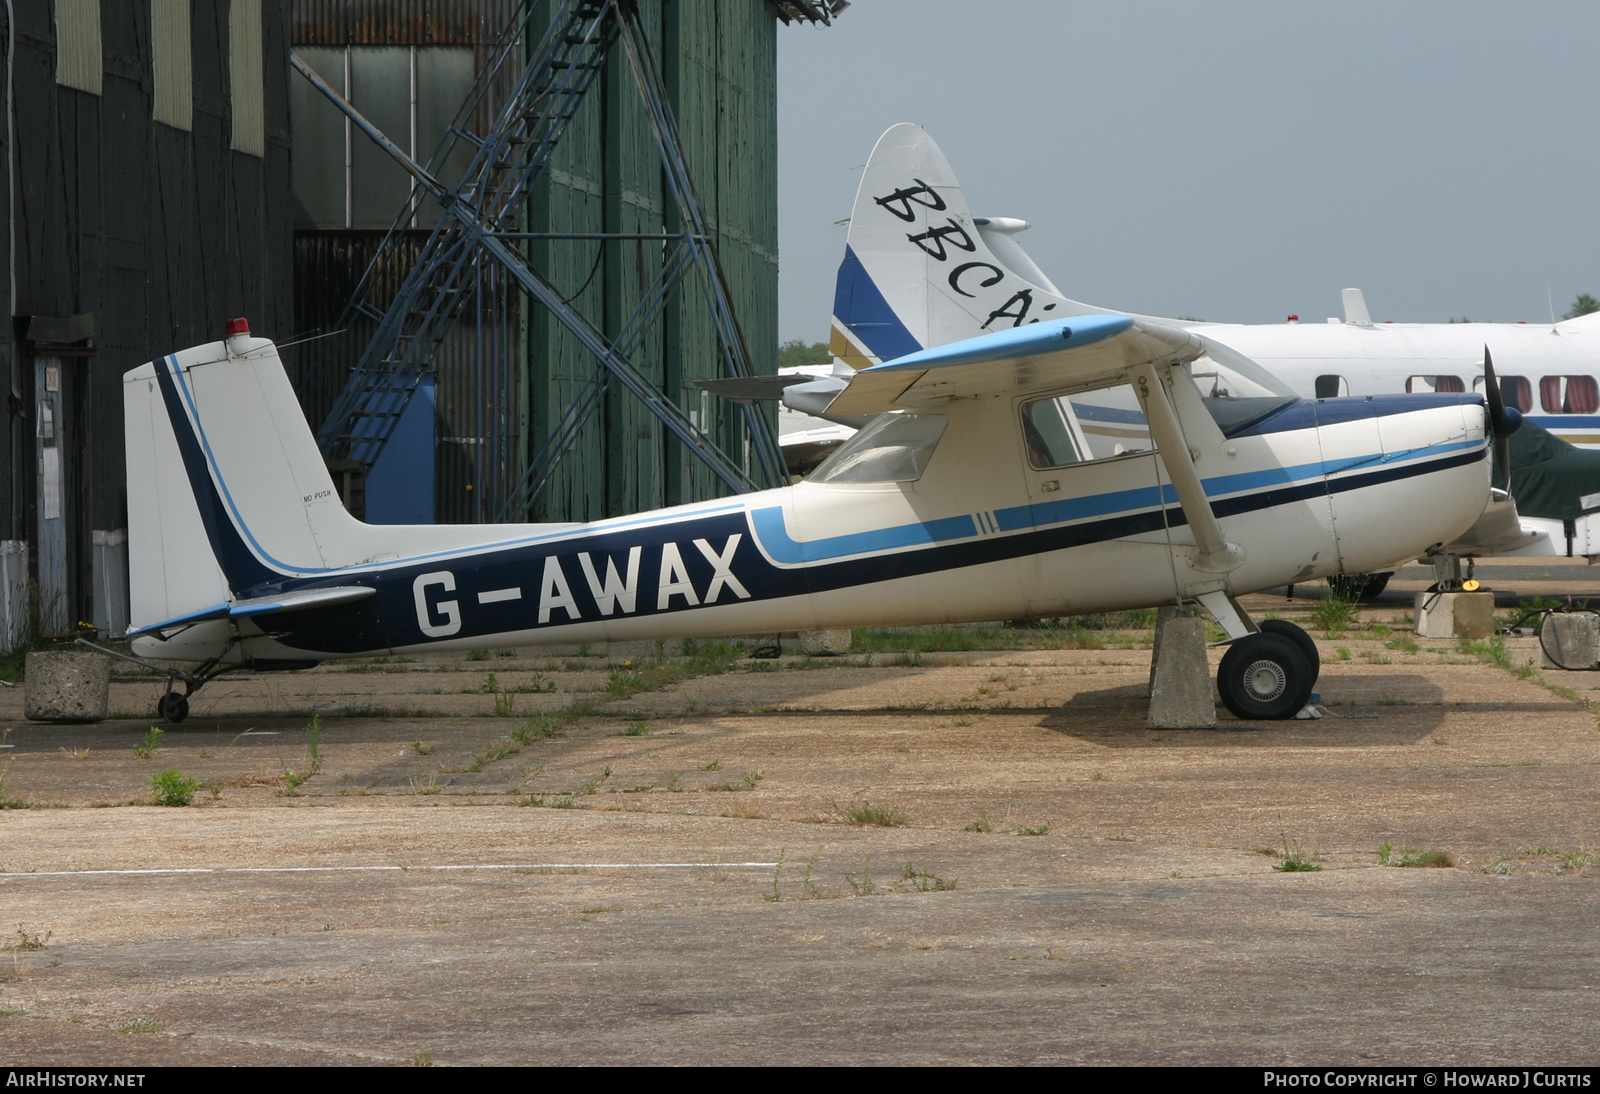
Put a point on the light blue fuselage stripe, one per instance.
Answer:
(783, 549)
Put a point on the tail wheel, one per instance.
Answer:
(1264, 676)
(1302, 641)
(173, 707)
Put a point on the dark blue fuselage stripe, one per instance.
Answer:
(387, 620)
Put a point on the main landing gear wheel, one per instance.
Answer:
(1263, 677)
(1301, 639)
(173, 707)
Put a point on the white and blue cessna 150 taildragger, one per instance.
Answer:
(976, 492)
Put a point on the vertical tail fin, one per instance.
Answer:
(227, 493)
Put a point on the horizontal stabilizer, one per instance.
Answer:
(299, 600)
(1084, 349)
(750, 389)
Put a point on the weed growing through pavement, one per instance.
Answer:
(171, 788)
(776, 895)
(314, 746)
(1577, 862)
(635, 729)
(808, 888)
(714, 765)
(982, 824)
(864, 887)
(1414, 856)
(141, 1025)
(1333, 614)
(26, 942)
(1040, 830)
(75, 753)
(1293, 860)
(421, 749)
(1343, 652)
(430, 785)
(881, 816)
(924, 882)
(152, 744)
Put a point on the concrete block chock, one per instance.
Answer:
(66, 687)
(826, 643)
(1569, 640)
(1180, 688)
(1455, 615)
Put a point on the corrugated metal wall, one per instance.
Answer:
(719, 61)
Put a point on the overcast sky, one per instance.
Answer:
(1231, 161)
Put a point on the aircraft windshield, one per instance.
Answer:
(892, 447)
(1234, 388)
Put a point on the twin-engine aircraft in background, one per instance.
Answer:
(1086, 464)
(920, 270)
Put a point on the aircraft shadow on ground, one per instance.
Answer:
(1405, 710)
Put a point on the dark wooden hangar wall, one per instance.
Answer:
(162, 234)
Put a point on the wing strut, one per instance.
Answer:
(1215, 554)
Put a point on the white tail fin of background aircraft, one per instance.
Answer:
(920, 271)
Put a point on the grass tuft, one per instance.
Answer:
(867, 814)
(1413, 856)
(170, 787)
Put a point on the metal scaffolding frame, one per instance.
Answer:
(473, 266)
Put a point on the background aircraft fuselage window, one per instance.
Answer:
(1569, 394)
(1332, 387)
(1421, 385)
(1515, 391)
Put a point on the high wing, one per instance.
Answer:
(1084, 349)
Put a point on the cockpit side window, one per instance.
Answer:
(1046, 429)
(1084, 426)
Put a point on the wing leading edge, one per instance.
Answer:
(1059, 353)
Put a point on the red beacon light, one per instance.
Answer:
(1293, 319)
(238, 340)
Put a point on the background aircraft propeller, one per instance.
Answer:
(1501, 423)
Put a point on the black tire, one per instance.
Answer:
(173, 707)
(1358, 587)
(1264, 677)
(1301, 639)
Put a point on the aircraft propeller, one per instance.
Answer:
(1501, 422)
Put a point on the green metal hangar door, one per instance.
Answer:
(455, 395)
(147, 201)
